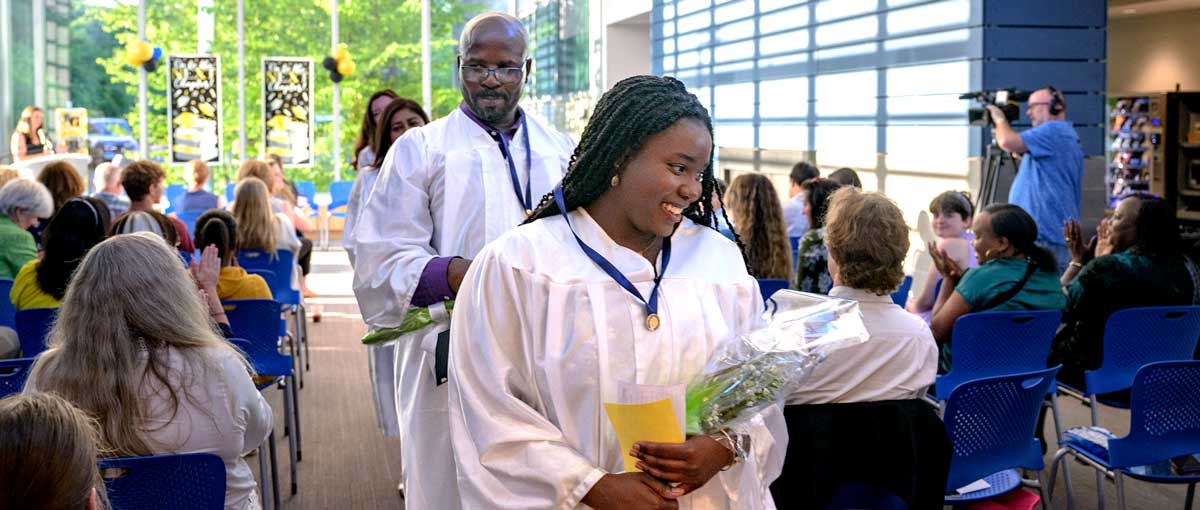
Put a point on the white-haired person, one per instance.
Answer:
(22, 202)
(107, 181)
(157, 383)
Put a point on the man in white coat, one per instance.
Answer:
(443, 192)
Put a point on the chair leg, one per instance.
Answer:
(1120, 490)
(304, 336)
(1042, 490)
(296, 422)
(274, 470)
(1095, 405)
(1191, 496)
(262, 478)
(1058, 437)
(1100, 489)
(287, 411)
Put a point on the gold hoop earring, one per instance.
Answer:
(616, 181)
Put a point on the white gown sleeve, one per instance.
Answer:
(506, 450)
(394, 234)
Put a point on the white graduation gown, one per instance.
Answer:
(443, 190)
(540, 338)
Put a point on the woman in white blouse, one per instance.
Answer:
(148, 363)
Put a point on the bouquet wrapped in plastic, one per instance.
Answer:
(764, 367)
(414, 319)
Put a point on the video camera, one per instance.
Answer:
(1007, 99)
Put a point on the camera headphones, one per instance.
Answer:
(1057, 103)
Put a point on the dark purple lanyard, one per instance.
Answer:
(526, 200)
(652, 320)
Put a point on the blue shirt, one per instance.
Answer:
(1048, 185)
(197, 201)
(793, 214)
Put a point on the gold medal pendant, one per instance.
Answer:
(652, 322)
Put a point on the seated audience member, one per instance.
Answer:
(952, 215)
(218, 228)
(48, 455)
(77, 226)
(63, 182)
(1135, 260)
(143, 182)
(107, 181)
(153, 222)
(283, 189)
(197, 198)
(864, 401)
(758, 218)
(793, 209)
(157, 383)
(846, 177)
(8, 173)
(259, 228)
(812, 271)
(1013, 273)
(22, 202)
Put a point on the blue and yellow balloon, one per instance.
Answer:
(140, 53)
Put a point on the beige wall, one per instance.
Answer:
(1154, 52)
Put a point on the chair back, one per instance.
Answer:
(258, 320)
(307, 190)
(339, 194)
(280, 264)
(900, 297)
(1164, 415)
(769, 286)
(13, 373)
(1134, 337)
(8, 314)
(988, 344)
(189, 218)
(229, 189)
(33, 326)
(174, 193)
(178, 481)
(991, 422)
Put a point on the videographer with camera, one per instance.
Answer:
(1048, 182)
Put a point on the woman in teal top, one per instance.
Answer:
(22, 202)
(1013, 273)
(1135, 260)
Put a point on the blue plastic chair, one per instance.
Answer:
(1133, 338)
(13, 373)
(178, 481)
(229, 189)
(189, 218)
(307, 190)
(991, 422)
(33, 325)
(257, 322)
(795, 242)
(988, 344)
(1164, 422)
(281, 264)
(267, 448)
(174, 193)
(900, 297)
(8, 314)
(769, 286)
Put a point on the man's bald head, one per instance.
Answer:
(494, 24)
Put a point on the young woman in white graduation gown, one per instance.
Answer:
(544, 331)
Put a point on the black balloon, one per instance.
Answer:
(150, 65)
(329, 63)
(335, 76)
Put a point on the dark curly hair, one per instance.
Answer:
(816, 193)
(635, 109)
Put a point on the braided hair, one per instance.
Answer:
(635, 109)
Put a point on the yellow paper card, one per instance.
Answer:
(654, 422)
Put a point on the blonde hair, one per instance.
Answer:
(8, 173)
(866, 236)
(102, 352)
(252, 210)
(23, 126)
(257, 169)
(758, 214)
(33, 425)
(197, 172)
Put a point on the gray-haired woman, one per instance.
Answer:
(22, 202)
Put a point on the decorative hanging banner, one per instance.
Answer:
(72, 128)
(194, 109)
(288, 109)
